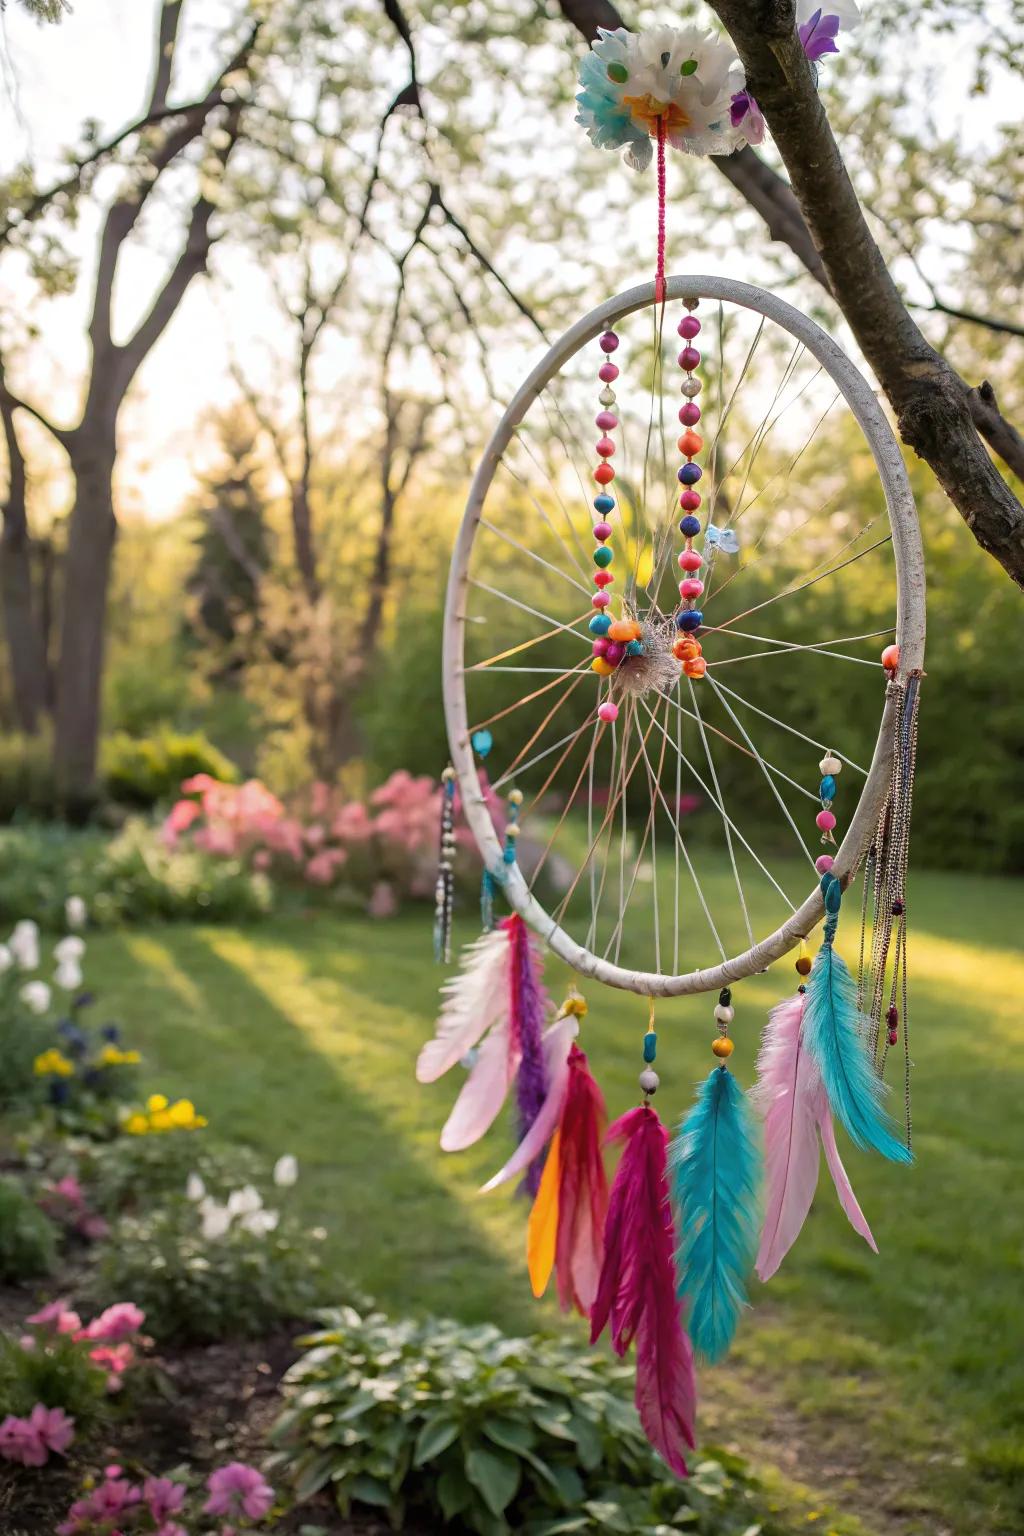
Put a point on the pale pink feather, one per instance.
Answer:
(474, 1000)
(844, 1189)
(483, 1093)
(558, 1038)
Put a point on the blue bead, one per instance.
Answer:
(604, 503)
(600, 624)
(827, 787)
(509, 854)
(689, 619)
(650, 1045)
(482, 742)
(690, 526)
(689, 474)
(634, 648)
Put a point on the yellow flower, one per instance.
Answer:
(113, 1056)
(136, 1125)
(160, 1120)
(53, 1063)
(156, 1102)
(183, 1113)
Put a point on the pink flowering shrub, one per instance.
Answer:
(237, 1491)
(61, 1363)
(383, 848)
(30, 1441)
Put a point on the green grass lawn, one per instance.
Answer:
(892, 1385)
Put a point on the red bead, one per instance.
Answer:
(689, 357)
(605, 447)
(891, 658)
(893, 1037)
(892, 1016)
(689, 326)
(602, 531)
(609, 342)
(604, 474)
(690, 501)
(603, 578)
(615, 652)
(691, 587)
(690, 443)
(689, 414)
(690, 560)
(608, 373)
(606, 420)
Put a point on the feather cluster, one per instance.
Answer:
(791, 1097)
(716, 1164)
(636, 1293)
(835, 1034)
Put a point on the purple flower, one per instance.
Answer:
(745, 113)
(164, 1498)
(818, 35)
(238, 1490)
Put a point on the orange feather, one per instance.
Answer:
(542, 1228)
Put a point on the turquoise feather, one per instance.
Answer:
(716, 1170)
(835, 1034)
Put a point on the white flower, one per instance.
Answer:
(68, 975)
(70, 948)
(216, 1219)
(6, 959)
(24, 944)
(35, 995)
(195, 1189)
(259, 1223)
(75, 912)
(286, 1171)
(243, 1202)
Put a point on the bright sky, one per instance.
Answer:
(92, 65)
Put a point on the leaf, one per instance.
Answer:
(510, 1434)
(315, 1476)
(495, 1475)
(556, 1425)
(568, 1483)
(435, 1436)
(453, 1492)
(370, 1490)
(588, 1442)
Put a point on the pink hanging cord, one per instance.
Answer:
(659, 281)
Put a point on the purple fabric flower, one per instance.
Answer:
(745, 113)
(238, 1490)
(818, 35)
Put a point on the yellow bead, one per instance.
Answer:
(803, 965)
(515, 797)
(576, 1006)
(601, 667)
(722, 1047)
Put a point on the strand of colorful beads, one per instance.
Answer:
(689, 617)
(607, 651)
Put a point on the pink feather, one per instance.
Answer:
(483, 1093)
(558, 1040)
(582, 1189)
(791, 1097)
(636, 1290)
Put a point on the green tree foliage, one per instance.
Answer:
(234, 550)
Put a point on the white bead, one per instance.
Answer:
(830, 764)
(649, 1080)
(724, 1014)
(607, 397)
(691, 387)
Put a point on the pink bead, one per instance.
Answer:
(823, 863)
(603, 578)
(689, 357)
(690, 560)
(608, 373)
(609, 342)
(608, 711)
(600, 600)
(689, 326)
(602, 531)
(691, 587)
(825, 821)
(605, 447)
(600, 645)
(689, 414)
(690, 501)
(606, 420)
(615, 652)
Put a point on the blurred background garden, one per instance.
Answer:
(269, 271)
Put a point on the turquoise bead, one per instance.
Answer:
(602, 555)
(827, 787)
(482, 742)
(650, 1045)
(600, 624)
(509, 855)
(635, 648)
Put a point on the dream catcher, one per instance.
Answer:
(687, 584)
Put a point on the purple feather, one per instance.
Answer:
(527, 1007)
(818, 35)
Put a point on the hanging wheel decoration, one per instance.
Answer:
(654, 623)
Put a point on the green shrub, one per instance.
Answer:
(458, 1424)
(28, 1239)
(135, 1173)
(145, 770)
(61, 1375)
(23, 1036)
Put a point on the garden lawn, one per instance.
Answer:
(892, 1385)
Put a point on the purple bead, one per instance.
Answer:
(689, 357)
(607, 373)
(689, 414)
(689, 474)
(688, 326)
(689, 526)
(609, 341)
(606, 420)
(689, 619)
(614, 652)
(602, 531)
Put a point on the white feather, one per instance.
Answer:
(473, 1001)
(557, 1041)
(483, 1093)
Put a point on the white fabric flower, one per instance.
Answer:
(195, 1189)
(68, 975)
(24, 944)
(6, 959)
(36, 996)
(286, 1171)
(75, 912)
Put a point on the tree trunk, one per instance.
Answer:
(25, 652)
(93, 529)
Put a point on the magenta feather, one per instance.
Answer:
(582, 1189)
(791, 1097)
(636, 1291)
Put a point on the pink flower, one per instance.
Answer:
(30, 1441)
(182, 815)
(383, 901)
(56, 1317)
(238, 1490)
(321, 868)
(352, 823)
(115, 1359)
(261, 859)
(163, 1497)
(118, 1322)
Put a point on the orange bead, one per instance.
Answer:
(696, 667)
(624, 630)
(601, 667)
(691, 442)
(891, 658)
(686, 648)
(722, 1047)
